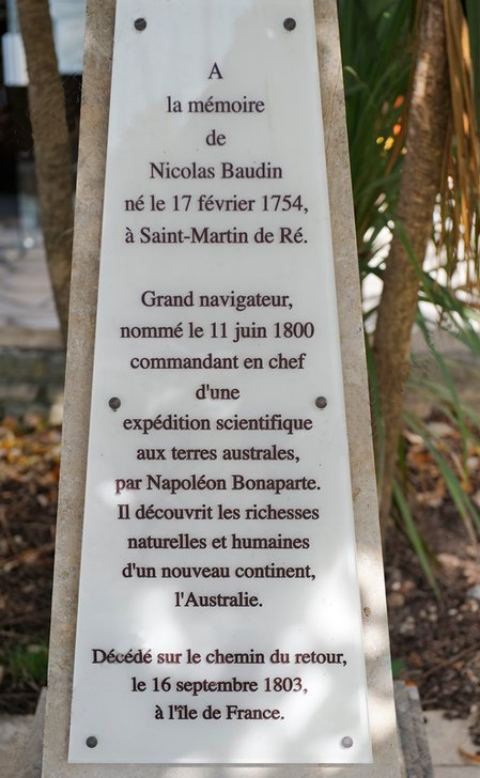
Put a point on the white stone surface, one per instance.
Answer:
(318, 610)
(10, 726)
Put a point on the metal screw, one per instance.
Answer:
(114, 403)
(91, 741)
(321, 402)
(289, 24)
(347, 742)
(140, 24)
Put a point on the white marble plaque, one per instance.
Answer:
(219, 612)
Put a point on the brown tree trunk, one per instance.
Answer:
(53, 155)
(427, 129)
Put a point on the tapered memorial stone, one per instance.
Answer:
(218, 606)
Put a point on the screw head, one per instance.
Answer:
(91, 741)
(140, 24)
(114, 403)
(289, 24)
(347, 742)
(321, 402)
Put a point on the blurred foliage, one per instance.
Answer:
(378, 40)
(28, 663)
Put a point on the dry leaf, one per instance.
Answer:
(468, 757)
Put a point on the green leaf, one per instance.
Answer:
(415, 538)
(398, 667)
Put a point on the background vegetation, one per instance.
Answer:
(415, 173)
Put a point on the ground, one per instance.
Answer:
(29, 468)
(436, 642)
(435, 638)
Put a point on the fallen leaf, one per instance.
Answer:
(468, 757)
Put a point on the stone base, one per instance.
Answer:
(22, 757)
(412, 732)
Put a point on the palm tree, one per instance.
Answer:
(414, 147)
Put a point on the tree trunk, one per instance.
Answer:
(426, 137)
(53, 155)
